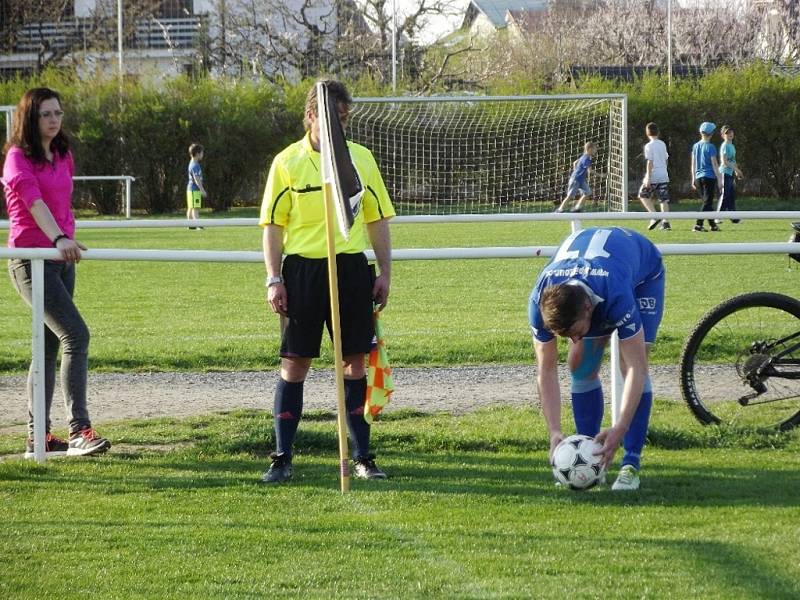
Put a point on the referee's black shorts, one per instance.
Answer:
(306, 281)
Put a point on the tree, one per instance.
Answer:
(287, 39)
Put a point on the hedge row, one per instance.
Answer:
(763, 109)
(145, 130)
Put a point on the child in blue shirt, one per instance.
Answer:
(577, 180)
(195, 191)
(705, 172)
(728, 169)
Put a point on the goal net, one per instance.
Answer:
(454, 155)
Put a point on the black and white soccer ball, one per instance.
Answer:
(575, 465)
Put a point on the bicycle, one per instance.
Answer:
(741, 365)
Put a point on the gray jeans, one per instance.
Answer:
(64, 327)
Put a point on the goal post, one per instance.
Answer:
(493, 154)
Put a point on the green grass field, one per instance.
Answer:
(192, 316)
(470, 511)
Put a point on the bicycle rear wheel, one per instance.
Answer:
(722, 354)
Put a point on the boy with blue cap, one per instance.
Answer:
(705, 172)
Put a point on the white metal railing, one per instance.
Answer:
(468, 218)
(37, 256)
(9, 111)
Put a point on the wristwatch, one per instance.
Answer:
(273, 280)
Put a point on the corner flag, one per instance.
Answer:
(380, 384)
(337, 166)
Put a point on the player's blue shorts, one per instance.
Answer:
(650, 296)
(574, 186)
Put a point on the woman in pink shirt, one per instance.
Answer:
(37, 176)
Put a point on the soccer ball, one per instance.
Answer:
(575, 465)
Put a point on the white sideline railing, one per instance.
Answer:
(37, 256)
(128, 179)
(469, 218)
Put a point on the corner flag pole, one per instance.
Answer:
(324, 117)
(333, 286)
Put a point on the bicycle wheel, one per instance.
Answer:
(730, 373)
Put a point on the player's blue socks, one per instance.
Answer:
(288, 409)
(355, 391)
(634, 439)
(587, 406)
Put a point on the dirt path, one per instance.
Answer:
(135, 396)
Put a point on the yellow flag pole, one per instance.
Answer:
(333, 286)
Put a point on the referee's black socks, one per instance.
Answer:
(288, 409)
(355, 391)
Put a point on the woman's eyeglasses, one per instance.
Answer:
(51, 113)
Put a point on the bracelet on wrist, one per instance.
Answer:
(60, 237)
(274, 280)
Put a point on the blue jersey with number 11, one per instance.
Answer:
(611, 262)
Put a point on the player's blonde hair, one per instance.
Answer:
(589, 146)
(561, 306)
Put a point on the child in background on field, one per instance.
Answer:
(728, 169)
(194, 189)
(656, 179)
(705, 172)
(577, 180)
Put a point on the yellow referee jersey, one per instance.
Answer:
(293, 200)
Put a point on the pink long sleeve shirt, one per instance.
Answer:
(26, 182)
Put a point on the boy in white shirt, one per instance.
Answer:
(656, 180)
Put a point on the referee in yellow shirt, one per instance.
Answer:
(293, 218)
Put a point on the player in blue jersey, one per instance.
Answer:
(600, 280)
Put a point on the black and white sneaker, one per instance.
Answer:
(699, 228)
(665, 226)
(365, 468)
(87, 442)
(53, 446)
(653, 224)
(279, 471)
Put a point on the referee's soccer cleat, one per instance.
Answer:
(628, 479)
(279, 471)
(365, 468)
(653, 224)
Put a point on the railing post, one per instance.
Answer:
(37, 317)
(127, 197)
(617, 382)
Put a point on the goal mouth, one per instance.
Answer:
(494, 154)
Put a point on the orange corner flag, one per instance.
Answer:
(379, 375)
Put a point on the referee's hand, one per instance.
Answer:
(276, 298)
(380, 291)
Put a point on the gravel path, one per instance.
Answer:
(144, 395)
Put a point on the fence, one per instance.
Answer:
(37, 256)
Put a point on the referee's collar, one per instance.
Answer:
(307, 144)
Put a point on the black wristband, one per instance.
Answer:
(60, 237)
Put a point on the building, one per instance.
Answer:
(170, 37)
(486, 17)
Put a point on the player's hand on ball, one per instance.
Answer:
(555, 440)
(277, 299)
(610, 439)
